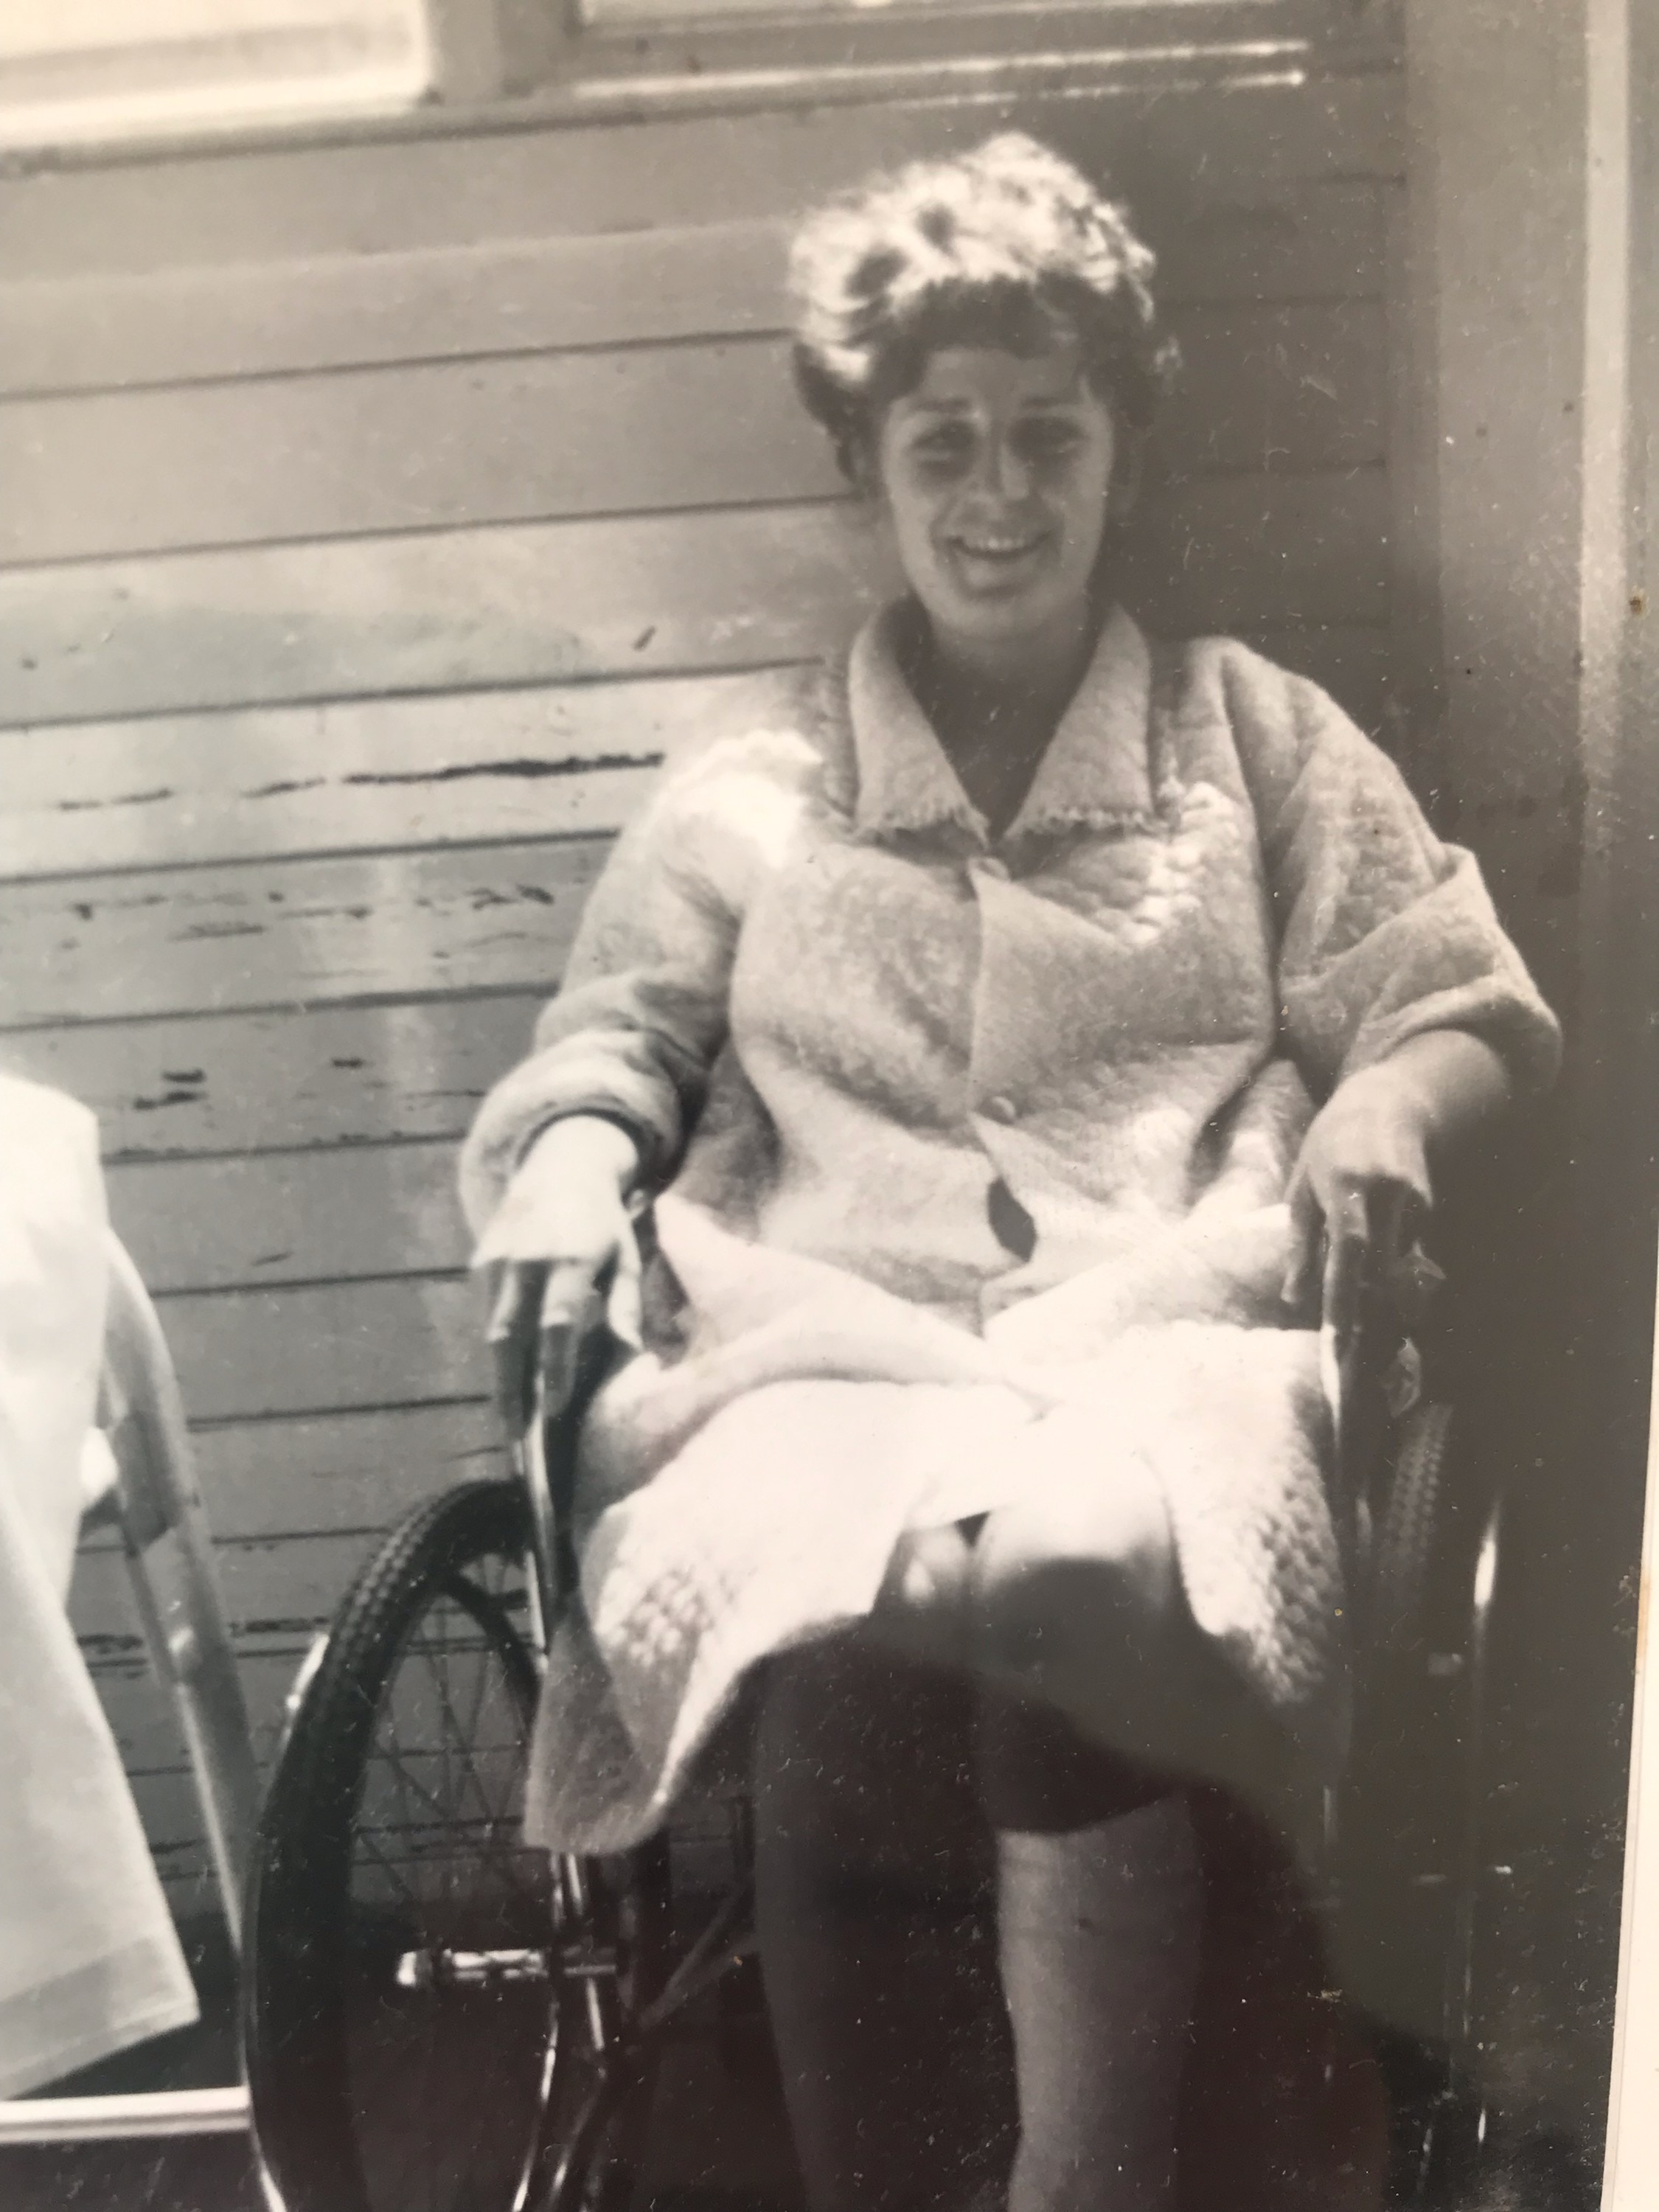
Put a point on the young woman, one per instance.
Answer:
(1027, 1029)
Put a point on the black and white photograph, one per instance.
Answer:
(829, 1105)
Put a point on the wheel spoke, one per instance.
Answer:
(438, 1806)
(366, 1838)
(476, 1713)
(443, 1740)
(400, 1779)
(462, 1739)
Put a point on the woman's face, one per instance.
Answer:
(997, 473)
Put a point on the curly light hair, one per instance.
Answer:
(1007, 245)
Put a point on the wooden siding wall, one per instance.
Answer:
(377, 517)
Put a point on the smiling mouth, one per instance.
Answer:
(988, 557)
(997, 548)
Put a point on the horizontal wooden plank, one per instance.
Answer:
(365, 775)
(246, 1082)
(354, 775)
(547, 436)
(152, 1748)
(1303, 242)
(327, 1348)
(277, 1596)
(244, 204)
(1239, 553)
(552, 601)
(417, 446)
(429, 303)
(340, 1472)
(276, 1593)
(362, 1473)
(292, 933)
(142, 1718)
(1297, 388)
(535, 603)
(144, 1727)
(290, 1216)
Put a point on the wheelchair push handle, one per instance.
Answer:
(1371, 1373)
(554, 1336)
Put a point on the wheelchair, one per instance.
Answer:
(439, 2019)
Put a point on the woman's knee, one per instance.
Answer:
(1060, 1578)
(923, 1611)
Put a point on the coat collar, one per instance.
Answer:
(1095, 774)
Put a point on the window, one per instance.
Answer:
(629, 11)
(81, 69)
(611, 50)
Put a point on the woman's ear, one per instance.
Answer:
(1129, 463)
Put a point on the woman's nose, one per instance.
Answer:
(1002, 473)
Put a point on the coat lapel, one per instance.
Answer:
(1094, 774)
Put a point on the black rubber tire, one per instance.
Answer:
(379, 2081)
(1408, 1529)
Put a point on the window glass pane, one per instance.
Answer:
(108, 69)
(660, 11)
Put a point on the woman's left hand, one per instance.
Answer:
(1362, 1192)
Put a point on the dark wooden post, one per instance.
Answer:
(1529, 290)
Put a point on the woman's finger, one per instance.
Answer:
(625, 1301)
(1396, 1216)
(1347, 1262)
(1307, 1244)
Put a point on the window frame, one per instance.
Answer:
(764, 52)
(528, 64)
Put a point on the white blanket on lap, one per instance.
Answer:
(749, 1496)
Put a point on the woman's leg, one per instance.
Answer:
(1068, 1607)
(1099, 1908)
(874, 1877)
(1099, 1937)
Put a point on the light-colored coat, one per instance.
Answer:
(836, 1013)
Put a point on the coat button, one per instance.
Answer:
(994, 867)
(1001, 1108)
(1012, 1225)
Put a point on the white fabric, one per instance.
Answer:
(850, 1024)
(89, 1962)
(749, 1496)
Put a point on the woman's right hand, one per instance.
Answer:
(561, 1241)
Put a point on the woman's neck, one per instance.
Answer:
(995, 713)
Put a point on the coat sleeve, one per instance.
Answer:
(642, 1011)
(1385, 931)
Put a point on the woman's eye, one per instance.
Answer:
(942, 448)
(1047, 440)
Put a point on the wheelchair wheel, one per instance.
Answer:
(1408, 1530)
(436, 2015)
